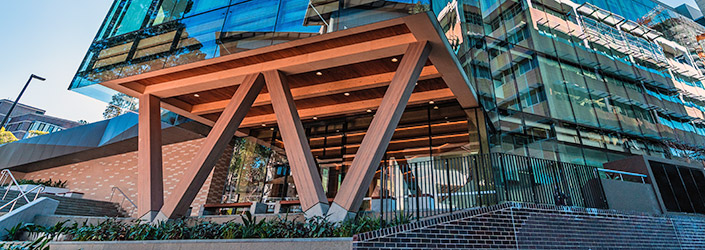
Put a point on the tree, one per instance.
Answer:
(120, 104)
(83, 122)
(6, 136)
(33, 133)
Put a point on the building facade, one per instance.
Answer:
(26, 118)
(579, 82)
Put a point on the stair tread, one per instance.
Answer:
(70, 205)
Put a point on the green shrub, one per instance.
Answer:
(46, 183)
(113, 230)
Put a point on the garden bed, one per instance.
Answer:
(263, 244)
(192, 230)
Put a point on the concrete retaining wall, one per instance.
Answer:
(631, 196)
(264, 244)
(26, 213)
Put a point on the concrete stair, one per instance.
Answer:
(70, 206)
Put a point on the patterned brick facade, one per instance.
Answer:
(96, 178)
(528, 226)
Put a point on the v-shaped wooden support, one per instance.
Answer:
(178, 203)
(298, 152)
(376, 140)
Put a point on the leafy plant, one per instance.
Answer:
(249, 227)
(15, 232)
(46, 183)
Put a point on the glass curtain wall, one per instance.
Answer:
(554, 94)
(259, 170)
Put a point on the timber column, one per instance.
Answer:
(150, 187)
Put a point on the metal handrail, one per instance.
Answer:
(7, 174)
(622, 173)
(39, 188)
(124, 196)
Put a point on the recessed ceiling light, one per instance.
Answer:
(346, 94)
(315, 118)
(369, 111)
(337, 130)
(264, 125)
(431, 102)
(272, 129)
(196, 95)
(395, 59)
(416, 84)
(319, 73)
(435, 107)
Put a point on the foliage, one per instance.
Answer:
(33, 133)
(46, 183)
(419, 8)
(44, 235)
(250, 227)
(120, 104)
(6, 136)
(247, 166)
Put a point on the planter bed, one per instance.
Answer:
(263, 244)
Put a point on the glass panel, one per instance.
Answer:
(558, 99)
(132, 19)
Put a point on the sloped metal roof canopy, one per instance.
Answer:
(87, 142)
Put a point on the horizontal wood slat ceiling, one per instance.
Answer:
(333, 74)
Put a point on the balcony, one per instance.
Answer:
(630, 125)
(587, 56)
(675, 109)
(649, 129)
(666, 132)
(624, 68)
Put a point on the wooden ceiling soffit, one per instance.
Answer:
(318, 90)
(329, 58)
(352, 107)
(335, 52)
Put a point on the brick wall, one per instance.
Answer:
(529, 226)
(95, 178)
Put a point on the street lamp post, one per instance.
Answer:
(33, 76)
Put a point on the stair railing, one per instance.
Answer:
(124, 197)
(39, 189)
(6, 175)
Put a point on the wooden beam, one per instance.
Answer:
(301, 161)
(351, 107)
(324, 89)
(150, 189)
(147, 76)
(213, 147)
(339, 56)
(443, 57)
(376, 140)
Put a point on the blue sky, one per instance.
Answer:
(676, 3)
(49, 38)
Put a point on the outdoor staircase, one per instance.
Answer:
(70, 206)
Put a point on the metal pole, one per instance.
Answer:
(9, 112)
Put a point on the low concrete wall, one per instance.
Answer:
(631, 196)
(50, 220)
(27, 213)
(264, 244)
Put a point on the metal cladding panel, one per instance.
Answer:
(117, 126)
(68, 141)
